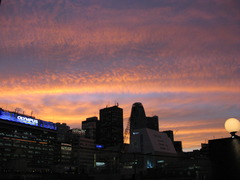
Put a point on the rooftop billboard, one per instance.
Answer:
(14, 117)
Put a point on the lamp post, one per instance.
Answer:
(232, 125)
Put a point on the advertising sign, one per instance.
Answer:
(11, 116)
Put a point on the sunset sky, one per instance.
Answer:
(66, 59)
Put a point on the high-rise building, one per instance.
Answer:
(169, 134)
(27, 144)
(111, 126)
(152, 123)
(82, 150)
(91, 128)
(62, 132)
(177, 144)
(138, 117)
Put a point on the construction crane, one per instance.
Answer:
(126, 136)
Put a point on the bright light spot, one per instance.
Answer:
(100, 164)
(232, 125)
(149, 164)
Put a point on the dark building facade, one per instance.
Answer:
(139, 120)
(138, 117)
(111, 126)
(177, 144)
(225, 158)
(62, 132)
(82, 150)
(27, 144)
(152, 123)
(91, 127)
(169, 134)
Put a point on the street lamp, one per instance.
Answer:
(232, 125)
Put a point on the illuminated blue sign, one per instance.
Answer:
(27, 120)
(99, 146)
(10, 116)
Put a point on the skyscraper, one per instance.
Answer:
(152, 123)
(91, 126)
(138, 117)
(111, 126)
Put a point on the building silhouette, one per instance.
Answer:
(62, 132)
(31, 147)
(152, 123)
(111, 126)
(91, 127)
(27, 144)
(82, 150)
(138, 117)
(139, 120)
(225, 158)
(177, 144)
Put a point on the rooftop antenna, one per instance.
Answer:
(107, 104)
(176, 131)
(17, 110)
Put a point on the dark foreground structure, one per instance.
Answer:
(225, 158)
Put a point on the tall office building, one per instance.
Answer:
(138, 117)
(111, 126)
(91, 127)
(152, 123)
(62, 132)
(27, 144)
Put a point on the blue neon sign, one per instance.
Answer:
(26, 120)
(99, 146)
(11, 116)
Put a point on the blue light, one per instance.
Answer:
(149, 164)
(99, 146)
(10, 116)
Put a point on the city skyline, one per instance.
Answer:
(64, 60)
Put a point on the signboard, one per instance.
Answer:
(27, 120)
(11, 116)
(78, 131)
(66, 147)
